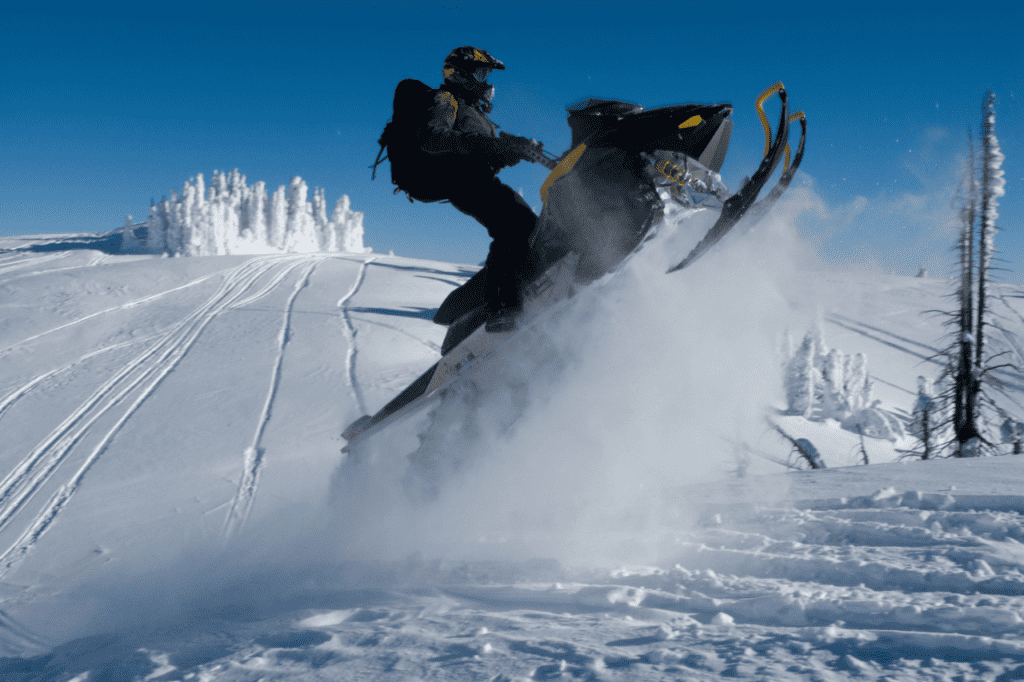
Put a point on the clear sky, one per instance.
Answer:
(106, 106)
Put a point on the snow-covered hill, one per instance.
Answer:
(172, 504)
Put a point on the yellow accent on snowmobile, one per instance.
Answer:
(767, 128)
(563, 167)
(764, 119)
(691, 122)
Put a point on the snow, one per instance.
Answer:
(174, 504)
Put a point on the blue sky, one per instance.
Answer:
(107, 106)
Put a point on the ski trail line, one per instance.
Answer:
(20, 262)
(241, 505)
(350, 335)
(20, 392)
(24, 481)
(123, 306)
(241, 280)
(267, 288)
(38, 273)
(25, 478)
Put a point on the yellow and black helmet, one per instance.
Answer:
(467, 68)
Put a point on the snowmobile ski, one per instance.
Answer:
(738, 205)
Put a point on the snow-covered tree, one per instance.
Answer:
(231, 217)
(859, 387)
(786, 349)
(1013, 432)
(801, 379)
(834, 385)
(924, 419)
(835, 401)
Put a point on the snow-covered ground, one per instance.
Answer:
(173, 504)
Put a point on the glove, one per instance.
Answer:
(505, 152)
(511, 149)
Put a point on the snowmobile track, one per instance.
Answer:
(17, 394)
(123, 306)
(350, 334)
(93, 263)
(128, 388)
(15, 263)
(241, 505)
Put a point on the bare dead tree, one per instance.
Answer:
(966, 364)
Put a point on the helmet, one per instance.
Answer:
(466, 70)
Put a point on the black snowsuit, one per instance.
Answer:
(460, 130)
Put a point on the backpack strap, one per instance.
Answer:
(383, 145)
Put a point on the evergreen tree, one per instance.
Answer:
(835, 403)
(800, 379)
(859, 388)
(923, 420)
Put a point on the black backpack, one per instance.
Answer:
(413, 170)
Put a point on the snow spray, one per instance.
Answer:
(656, 377)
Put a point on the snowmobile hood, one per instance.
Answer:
(686, 128)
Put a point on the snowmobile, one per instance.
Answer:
(601, 201)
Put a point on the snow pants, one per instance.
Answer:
(509, 221)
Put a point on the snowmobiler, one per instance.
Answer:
(442, 145)
(602, 200)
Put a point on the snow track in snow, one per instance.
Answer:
(123, 306)
(100, 258)
(241, 505)
(15, 263)
(11, 398)
(127, 390)
(350, 335)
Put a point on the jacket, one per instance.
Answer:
(455, 127)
